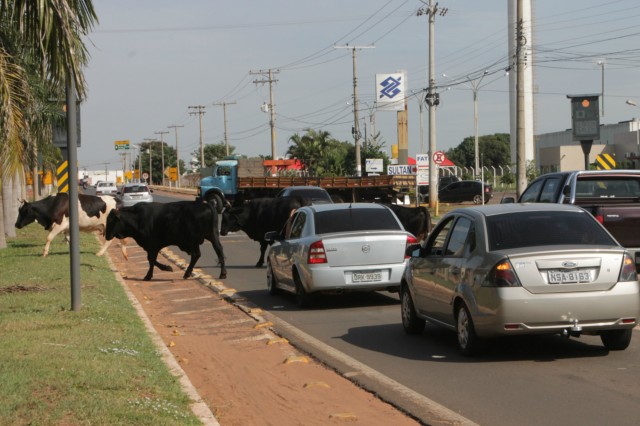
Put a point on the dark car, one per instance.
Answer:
(464, 190)
(312, 194)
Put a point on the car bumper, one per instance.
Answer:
(516, 311)
(129, 203)
(331, 279)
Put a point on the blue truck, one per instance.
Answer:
(236, 179)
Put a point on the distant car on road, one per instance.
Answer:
(514, 269)
(106, 188)
(133, 193)
(464, 190)
(337, 248)
(312, 194)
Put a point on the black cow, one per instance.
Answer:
(53, 214)
(154, 226)
(416, 220)
(259, 216)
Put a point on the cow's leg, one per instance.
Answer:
(104, 248)
(152, 257)
(263, 249)
(123, 248)
(195, 255)
(55, 230)
(217, 247)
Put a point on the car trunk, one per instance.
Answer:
(571, 270)
(372, 249)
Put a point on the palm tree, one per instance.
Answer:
(40, 41)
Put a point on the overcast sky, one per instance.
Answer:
(152, 59)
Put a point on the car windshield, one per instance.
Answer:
(345, 220)
(135, 188)
(540, 228)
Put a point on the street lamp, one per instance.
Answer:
(475, 86)
(637, 156)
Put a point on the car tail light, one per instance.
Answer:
(502, 275)
(316, 253)
(599, 216)
(628, 269)
(410, 241)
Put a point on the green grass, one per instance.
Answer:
(95, 366)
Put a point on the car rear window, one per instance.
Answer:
(355, 220)
(135, 188)
(528, 229)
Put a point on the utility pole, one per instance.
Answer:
(521, 158)
(355, 130)
(162, 133)
(272, 107)
(224, 109)
(150, 163)
(175, 127)
(199, 109)
(432, 99)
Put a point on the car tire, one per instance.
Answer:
(468, 341)
(217, 200)
(616, 340)
(477, 199)
(410, 321)
(272, 282)
(303, 298)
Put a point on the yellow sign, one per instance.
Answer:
(605, 162)
(124, 144)
(171, 173)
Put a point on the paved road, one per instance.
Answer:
(526, 381)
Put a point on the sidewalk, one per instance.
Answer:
(241, 370)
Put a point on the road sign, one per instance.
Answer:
(422, 160)
(439, 157)
(401, 169)
(145, 175)
(374, 165)
(605, 162)
(121, 144)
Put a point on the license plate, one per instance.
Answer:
(557, 277)
(364, 277)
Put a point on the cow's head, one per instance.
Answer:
(26, 215)
(114, 225)
(231, 221)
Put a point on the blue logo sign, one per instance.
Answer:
(390, 87)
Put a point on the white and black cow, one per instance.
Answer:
(258, 216)
(53, 214)
(416, 220)
(185, 224)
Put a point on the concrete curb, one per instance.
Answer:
(198, 406)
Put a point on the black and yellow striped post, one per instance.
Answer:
(62, 174)
(605, 162)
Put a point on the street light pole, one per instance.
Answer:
(475, 86)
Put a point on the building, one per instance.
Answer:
(557, 151)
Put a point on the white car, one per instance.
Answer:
(106, 188)
(133, 193)
(337, 248)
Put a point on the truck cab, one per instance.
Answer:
(221, 183)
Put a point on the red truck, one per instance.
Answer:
(612, 196)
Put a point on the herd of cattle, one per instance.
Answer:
(185, 224)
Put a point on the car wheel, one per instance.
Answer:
(272, 282)
(303, 298)
(616, 340)
(410, 321)
(468, 342)
(477, 199)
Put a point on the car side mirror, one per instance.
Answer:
(508, 200)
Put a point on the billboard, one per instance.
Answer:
(391, 91)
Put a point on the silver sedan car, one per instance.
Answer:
(512, 269)
(337, 248)
(134, 193)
